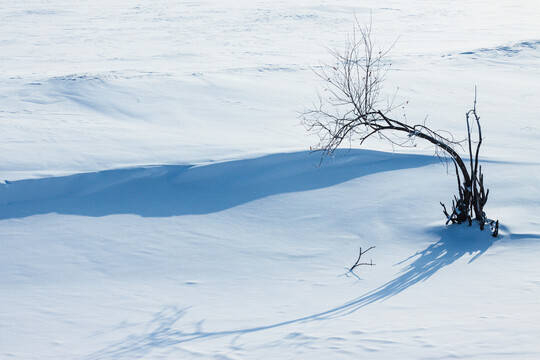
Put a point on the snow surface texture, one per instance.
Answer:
(158, 199)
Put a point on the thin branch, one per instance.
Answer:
(358, 263)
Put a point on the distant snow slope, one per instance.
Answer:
(158, 199)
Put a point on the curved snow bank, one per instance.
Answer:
(168, 190)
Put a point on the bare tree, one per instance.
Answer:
(351, 109)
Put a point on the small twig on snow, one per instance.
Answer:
(358, 263)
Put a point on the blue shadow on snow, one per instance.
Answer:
(454, 242)
(171, 190)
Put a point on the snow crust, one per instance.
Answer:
(158, 199)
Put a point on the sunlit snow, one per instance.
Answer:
(159, 199)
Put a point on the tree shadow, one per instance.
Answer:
(171, 190)
(455, 242)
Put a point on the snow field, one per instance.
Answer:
(159, 200)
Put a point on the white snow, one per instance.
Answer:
(158, 199)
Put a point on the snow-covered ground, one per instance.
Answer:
(158, 199)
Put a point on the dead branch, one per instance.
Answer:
(358, 263)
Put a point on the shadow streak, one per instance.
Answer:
(171, 190)
(454, 243)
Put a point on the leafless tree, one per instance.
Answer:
(351, 109)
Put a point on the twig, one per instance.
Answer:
(358, 263)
